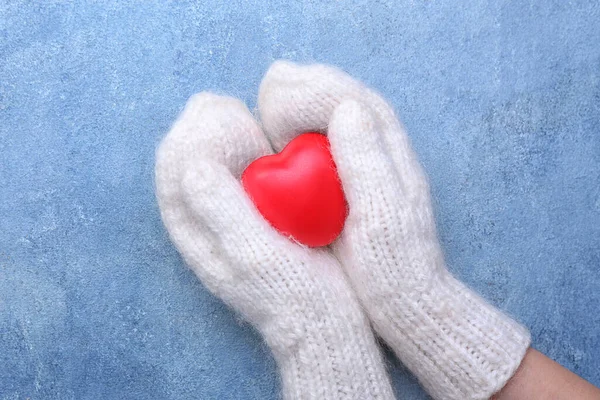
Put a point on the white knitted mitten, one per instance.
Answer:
(458, 345)
(298, 298)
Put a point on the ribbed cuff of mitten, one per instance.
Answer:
(459, 346)
(334, 357)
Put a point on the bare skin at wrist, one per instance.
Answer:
(538, 377)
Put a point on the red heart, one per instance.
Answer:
(298, 190)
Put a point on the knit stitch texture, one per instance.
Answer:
(307, 302)
(458, 345)
(298, 298)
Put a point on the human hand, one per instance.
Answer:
(458, 345)
(297, 298)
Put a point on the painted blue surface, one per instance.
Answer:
(501, 99)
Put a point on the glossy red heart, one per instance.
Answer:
(298, 190)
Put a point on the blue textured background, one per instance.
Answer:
(501, 99)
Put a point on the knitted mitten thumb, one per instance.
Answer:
(297, 298)
(459, 346)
